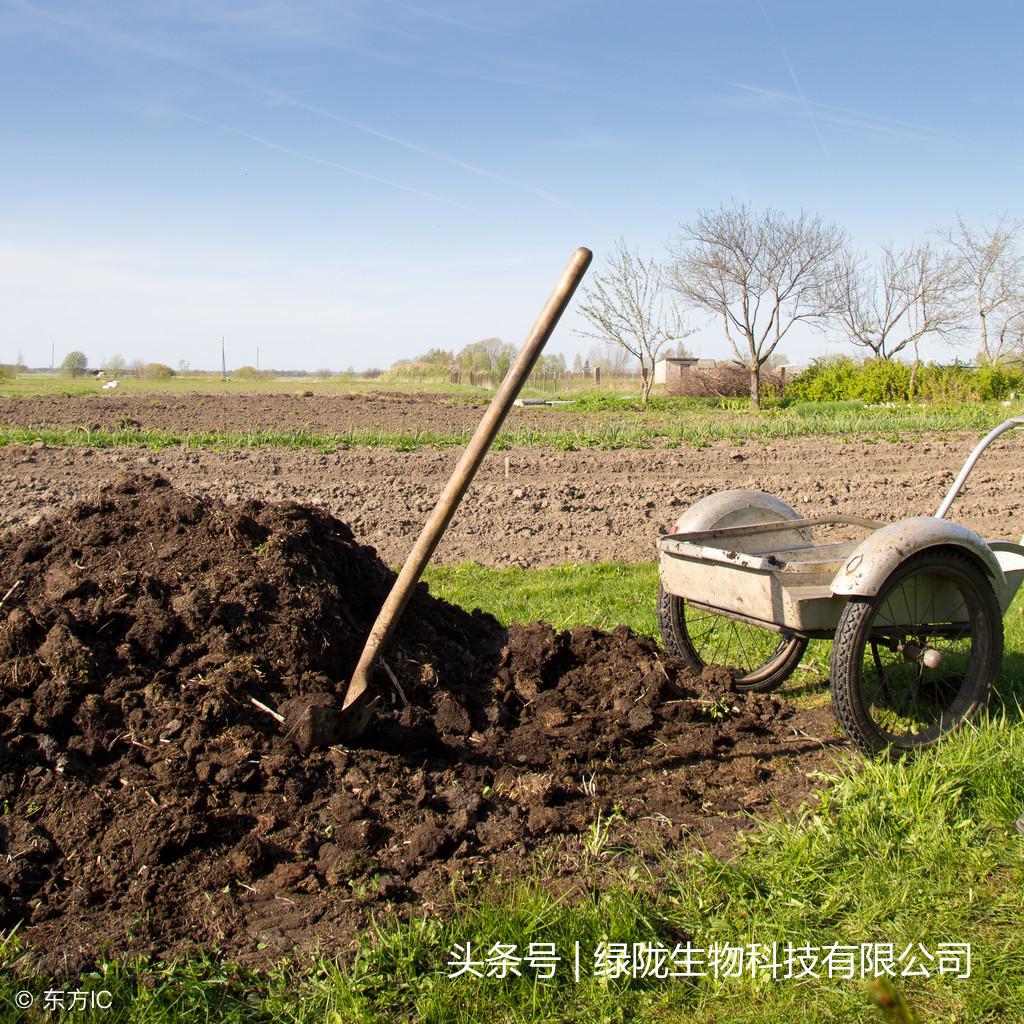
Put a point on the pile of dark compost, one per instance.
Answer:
(153, 803)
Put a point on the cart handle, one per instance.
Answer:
(1017, 421)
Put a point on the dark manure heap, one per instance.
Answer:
(153, 803)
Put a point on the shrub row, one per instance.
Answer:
(888, 380)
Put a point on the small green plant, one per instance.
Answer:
(892, 1004)
(596, 843)
(720, 708)
(74, 364)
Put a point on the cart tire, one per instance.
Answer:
(772, 664)
(886, 698)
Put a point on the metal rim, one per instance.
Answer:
(924, 654)
(756, 652)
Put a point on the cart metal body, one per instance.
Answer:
(749, 557)
(775, 574)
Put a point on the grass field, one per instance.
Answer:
(26, 384)
(611, 418)
(695, 427)
(920, 852)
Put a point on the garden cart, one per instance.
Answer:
(914, 608)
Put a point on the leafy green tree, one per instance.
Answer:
(75, 364)
(491, 356)
(437, 358)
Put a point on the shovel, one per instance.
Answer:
(321, 725)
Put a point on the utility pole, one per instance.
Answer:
(257, 359)
(51, 358)
(223, 362)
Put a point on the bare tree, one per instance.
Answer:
(609, 359)
(760, 273)
(991, 271)
(884, 307)
(626, 306)
(1009, 331)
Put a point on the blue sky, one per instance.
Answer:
(347, 183)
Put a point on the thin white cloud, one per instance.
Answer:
(447, 19)
(275, 20)
(148, 47)
(213, 22)
(323, 162)
(422, 150)
(807, 106)
(796, 82)
(45, 17)
(845, 116)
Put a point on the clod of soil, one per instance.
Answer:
(152, 801)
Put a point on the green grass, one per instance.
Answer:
(602, 595)
(697, 427)
(27, 384)
(30, 384)
(607, 437)
(922, 851)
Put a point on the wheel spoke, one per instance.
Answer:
(748, 650)
(904, 697)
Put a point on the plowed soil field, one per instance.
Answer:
(161, 609)
(552, 507)
(321, 414)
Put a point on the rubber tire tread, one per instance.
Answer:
(848, 651)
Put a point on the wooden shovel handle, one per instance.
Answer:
(464, 472)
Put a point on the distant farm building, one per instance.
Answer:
(673, 368)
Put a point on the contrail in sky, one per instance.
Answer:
(127, 41)
(416, 148)
(796, 82)
(311, 158)
(853, 118)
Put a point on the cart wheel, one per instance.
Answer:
(919, 658)
(762, 658)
